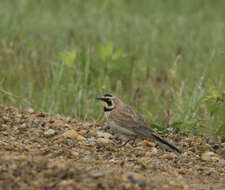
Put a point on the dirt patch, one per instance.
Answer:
(38, 151)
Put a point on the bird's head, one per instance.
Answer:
(107, 102)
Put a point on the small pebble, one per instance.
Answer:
(103, 135)
(209, 156)
(1, 121)
(30, 110)
(141, 183)
(92, 141)
(70, 134)
(154, 150)
(149, 144)
(49, 132)
(216, 146)
(169, 156)
(132, 176)
(221, 163)
(81, 138)
(23, 126)
(5, 119)
(97, 174)
(75, 154)
(82, 132)
(103, 141)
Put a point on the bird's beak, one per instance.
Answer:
(98, 98)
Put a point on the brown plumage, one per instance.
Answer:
(126, 121)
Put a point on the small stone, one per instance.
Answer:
(93, 132)
(103, 135)
(130, 176)
(4, 126)
(30, 110)
(67, 184)
(92, 141)
(216, 146)
(96, 174)
(58, 123)
(75, 154)
(151, 152)
(209, 156)
(134, 177)
(154, 150)
(73, 121)
(19, 116)
(67, 125)
(103, 141)
(141, 183)
(71, 134)
(23, 126)
(100, 134)
(198, 140)
(81, 138)
(1, 121)
(221, 163)
(149, 144)
(169, 156)
(148, 154)
(5, 119)
(49, 132)
(206, 147)
(82, 132)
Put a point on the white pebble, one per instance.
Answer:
(49, 132)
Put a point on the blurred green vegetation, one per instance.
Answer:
(162, 57)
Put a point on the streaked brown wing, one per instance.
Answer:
(128, 118)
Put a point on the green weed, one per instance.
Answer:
(160, 57)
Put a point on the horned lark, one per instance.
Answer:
(126, 121)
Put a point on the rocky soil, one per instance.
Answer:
(39, 151)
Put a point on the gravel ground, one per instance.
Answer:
(39, 151)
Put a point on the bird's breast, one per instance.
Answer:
(107, 115)
(120, 129)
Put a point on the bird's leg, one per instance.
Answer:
(123, 144)
(116, 137)
(106, 127)
(133, 142)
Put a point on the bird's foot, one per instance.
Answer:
(123, 144)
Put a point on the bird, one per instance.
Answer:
(124, 120)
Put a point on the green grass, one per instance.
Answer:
(162, 57)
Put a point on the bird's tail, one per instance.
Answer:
(166, 143)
